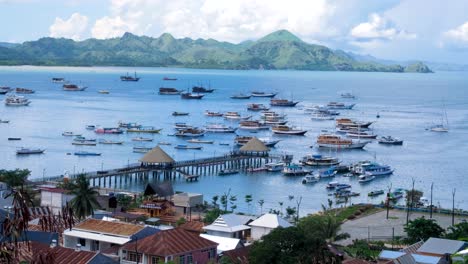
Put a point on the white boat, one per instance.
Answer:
(294, 170)
(287, 130)
(84, 143)
(319, 160)
(321, 117)
(188, 147)
(443, 126)
(219, 128)
(142, 139)
(199, 141)
(70, 134)
(263, 94)
(26, 151)
(110, 142)
(274, 166)
(242, 140)
(90, 127)
(341, 106)
(257, 107)
(253, 125)
(182, 126)
(336, 142)
(374, 169)
(14, 100)
(236, 116)
(389, 140)
(309, 179)
(366, 178)
(191, 132)
(360, 134)
(350, 123)
(328, 173)
(213, 114)
(164, 143)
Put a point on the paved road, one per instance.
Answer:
(377, 227)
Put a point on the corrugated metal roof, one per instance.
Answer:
(106, 227)
(97, 237)
(270, 221)
(224, 243)
(388, 254)
(230, 223)
(421, 259)
(441, 246)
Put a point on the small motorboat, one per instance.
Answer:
(103, 92)
(283, 102)
(142, 139)
(309, 179)
(14, 138)
(375, 193)
(84, 143)
(340, 106)
(188, 147)
(14, 100)
(164, 143)
(24, 91)
(263, 94)
(257, 107)
(272, 167)
(110, 142)
(58, 80)
(175, 113)
(213, 114)
(348, 95)
(73, 88)
(3, 121)
(389, 140)
(70, 134)
(141, 129)
(219, 128)
(224, 144)
(330, 172)
(338, 186)
(319, 160)
(200, 141)
(86, 153)
(240, 96)
(294, 170)
(28, 151)
(253, 170)
(366, 178)
(108, 130)
(227, 172)
(90, 127)
(168, 91)
(169, 79)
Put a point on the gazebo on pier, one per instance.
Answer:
(255, 147)
(158, 158)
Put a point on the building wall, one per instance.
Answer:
(258, 232)
(198, 257)
(54, 200)
(71, 242)
(219, 233)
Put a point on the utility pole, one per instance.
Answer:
(453, 206)
(430, 210)
(408, 204)
(388, 198)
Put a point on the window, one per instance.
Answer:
(82, 242)
(182, 259)
(132, 256)
(189, 259)
(155, 260)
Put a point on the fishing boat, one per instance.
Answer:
(375, 193)
(340, 106)
(253, 125)
(84, 143)
(242, 140)
(365, 178)
(219, 128)
(199, 141)
(272, 167)
(191, 132)
(336, 142)
(348, 95)
(240, 96)
(3, 121)
(350, 123)
(58, 80)
(108, 130)
(103, 92)
(168, 91)
(86, 153)
(90, 127)
(294, 170)
(73, 88)
(128, 125)
(24, 91)
(14, 138)
(144, 130)
(389, 140)
(175, 113)
(319, 160)
(361, 134)
(228, 172)
(263, 94)
(27, 151)
(164, 143)
(188, 95)
(110, 142)
(283, 102)
(70, 134)
(129, 78)
(169, 79)
(182, 126)
(142, 139)
(318, 116)
(309, 179)
(257, 107)
(201, 89)
(14, 100)
(188, 147)
(330, 172)
(213, 114)
(287, 130)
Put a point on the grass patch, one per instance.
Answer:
(354, 210)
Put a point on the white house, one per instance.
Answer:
(184, 202)
(231, 226)
(55, 198)
(265, 224)
(94, 235)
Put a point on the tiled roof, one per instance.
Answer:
(193, 226)
(63, 255)
(115, 228)
(171, 242)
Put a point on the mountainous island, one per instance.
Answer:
(278, 50)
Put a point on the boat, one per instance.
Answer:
(27, 151)
(235, 116)
(272, 167)
(188, 95)
(73, 88)
(128, 125)
(108, 130)
(188, 147)
(169, 79)
(257, 107)
(338, 186)
(142, 139)
(228, 172)
(361, 134)
(240, 96)
(141, 149)
(70, 134)
(330, 172)
(309, 179)
(128, 78)
(175, 113)
(253, 125)
(374, 169)
(336, 142)
(319, 116)
(283, 102)
(84, 143)
(365, 178)
(321, 109)
(274, 122)
(272, 115)
(443, 125)
(182, 126)
(58, 80)
(259, 169)
(348, 95)
(223, 144)
(3, 121)
(24, 91)
(199, 141)
(340, 106)
(164, 143)
(319, 160)
(81, 138)
(14, 138)
(389, 140)
(287, 130)
(201, 89)
(242, 140)
(263, 94)
(110, 142)
(219, 128)
(90, 127)
(168, 91)
(375, 193)
(350, 123)
(191, 132)
(103, 92)
(86, 153)
(294, 170)
(213, 114)
(144, 130)
(14, 100)
(344, 130)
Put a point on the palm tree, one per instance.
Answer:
(324, 226)
(85, 201)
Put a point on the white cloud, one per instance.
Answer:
(108, 27)
(74, 27)
(457, 37)
(376, 30)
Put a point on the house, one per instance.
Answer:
(438, 247)
(185, 202)
(176, 245)
(55, 198)
(265, 224)
(224, 243)
(93, 234)
(238, 255)
(231, 226)
(159, 204)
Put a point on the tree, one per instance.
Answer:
(214, 201)
(181, 221)
(85, 200)
(362, 249)
(422, 229)
(14, 178)
(458, 231)
(290, 211)
(124, 200)
(261, 202)
(248, 200)
(326, 226)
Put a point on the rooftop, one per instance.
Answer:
(157, 156)
(230, 223)
(224, 243)
(270, 221)
(440, 246)
(254, 145)
(106, 227)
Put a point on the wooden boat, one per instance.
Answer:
(144, 130)
(168, 91)
(188, 147)
(213, 114)
(375, 193)
(199, 141)
(253, 125)
(360, 134)
(103, 92)
(257, 107)
(169, 79)
(14, 138)
(389, 140)
(86, 153)
(188, 95)
(84, 143)
(228, 172)
(70, 134)
(175, 113)
(110, 142)
(128, 78)
(309, 179)
(240, 96)
(28, 151)
(142, 139)
(24, 91)
(73, 88)
(14, 100)
(58, 80)
(108, 130)
(263, 94)
(350, 123)
(191, 132)
(201, 89)
(319, 160)
(287, 130)
(340, 106)
(294, 170)
(283, 102)
(336, 142)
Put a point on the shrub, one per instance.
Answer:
(351, 217)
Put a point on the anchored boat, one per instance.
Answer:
(287, 130)
(336, 142)
(26, 151)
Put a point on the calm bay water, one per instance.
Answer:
(407, 103)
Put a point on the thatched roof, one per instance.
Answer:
(157, 155)
(254, 145)
(163, 189)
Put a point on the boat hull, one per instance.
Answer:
(358, 145)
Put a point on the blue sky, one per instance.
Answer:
(432, 30)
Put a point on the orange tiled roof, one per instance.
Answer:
(193, 226)
(115, 228)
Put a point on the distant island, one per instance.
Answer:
(279, 50)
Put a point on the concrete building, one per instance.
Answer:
(265, 224)
(185, 202)
(55, 198)
(230, 226)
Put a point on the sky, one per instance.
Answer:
(430, 30)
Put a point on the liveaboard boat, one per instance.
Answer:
(294, 170)
(319, 160)
(187, 95)
(110, 142)
(374, 169)
(336, 142)
(287, 130)
(263, 94)
(240, 96)
(361, 134)
(108, 130)
(15, 100)
(128, 125)
(340, 106)
(235, 116)
(389, 140)
(182, 126)
(24, 91)
(219, 128)
(257, 107)
(253, 125)
(242, 140)
(283, 102)
(213, 114)
(73, 87)
(168, 91)
(350, 123)
(191, 132)
(28, 151)
(129, 78)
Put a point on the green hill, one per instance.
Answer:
(277, 50)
